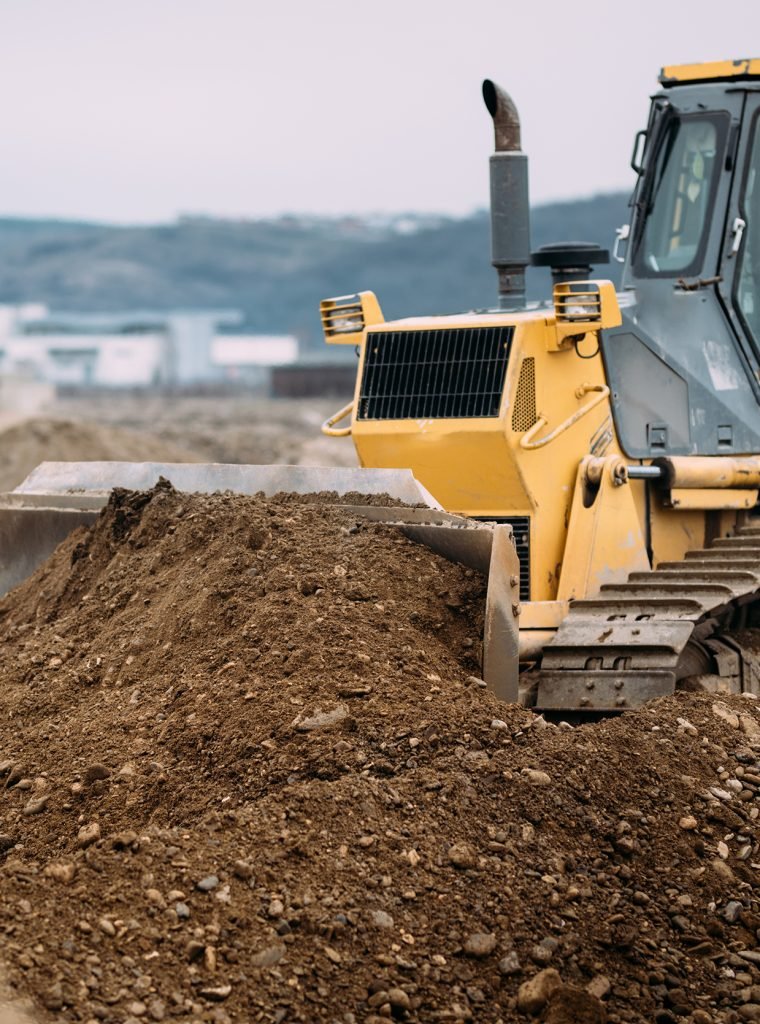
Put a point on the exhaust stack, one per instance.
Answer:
(510, 212)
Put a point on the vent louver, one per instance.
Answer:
(521, 533)
(524, 409)
(450, 373)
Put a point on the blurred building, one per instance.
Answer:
(138, 349)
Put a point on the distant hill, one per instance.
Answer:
(276, 271)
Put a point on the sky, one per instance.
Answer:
(139, 111)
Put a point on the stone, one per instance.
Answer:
(600, 986)
(480, 944)
(182, 910)
(35, 806)
(731, 911)
(380, 919)
(688, 823)
(750, 1011)
(216, 993)
(722, 711)
(701, 1017)
(543, 951)
(399, 1000)
(242, 870)
(123, 840)
(499, 725)
(156, 1009)
(462, 855)
(509, 964)
(276, 908)
(749, 726)
(107, 927)
(267, 957)
(208, 883)
(536, 778)
(320, 719)
(377, 999)
(722, 870)
(88, 834)
(61, 871)
(155, 897)
(534, 994)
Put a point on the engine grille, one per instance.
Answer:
(439, 374)
(521, 532)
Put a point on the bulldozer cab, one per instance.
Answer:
(689, 345)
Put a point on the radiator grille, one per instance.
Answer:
(438, 374)
(524, 410)
(521, 533)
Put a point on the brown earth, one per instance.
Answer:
(249, 428)
(250, 775)
(160, 428)
(29, 442)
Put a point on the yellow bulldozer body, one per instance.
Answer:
(550, 456)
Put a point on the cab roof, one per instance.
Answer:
(689, 74)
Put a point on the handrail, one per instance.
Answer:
(527, 442)
(328, 427)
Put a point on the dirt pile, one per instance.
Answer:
(26, 444)
(249, 428)
(250, 775)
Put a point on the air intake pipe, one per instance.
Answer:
(510, 212)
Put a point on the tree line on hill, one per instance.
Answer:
(276, 271)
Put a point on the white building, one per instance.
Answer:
(141, 349)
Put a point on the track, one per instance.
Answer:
(639, 638)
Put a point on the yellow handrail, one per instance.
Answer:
(527, 442)
(328, 427)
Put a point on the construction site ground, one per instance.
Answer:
(154, 427)
(249, 772)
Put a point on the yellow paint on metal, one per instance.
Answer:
(675, 531)
(719, 498)
(676, 74)
(707, 471)
(605, 541)
(543, 614)
(476, 466)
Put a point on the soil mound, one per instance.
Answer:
(25, 445)
(250, 775)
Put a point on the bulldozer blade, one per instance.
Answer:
(204, 478)
(489, 549)
(29, 533)
(59, 496)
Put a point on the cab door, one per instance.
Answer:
(739, 288)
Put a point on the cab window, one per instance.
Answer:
(748, 279)
(679, 196)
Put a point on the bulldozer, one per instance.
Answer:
(618, 434)
(596, 455)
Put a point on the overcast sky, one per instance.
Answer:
(139, 110)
